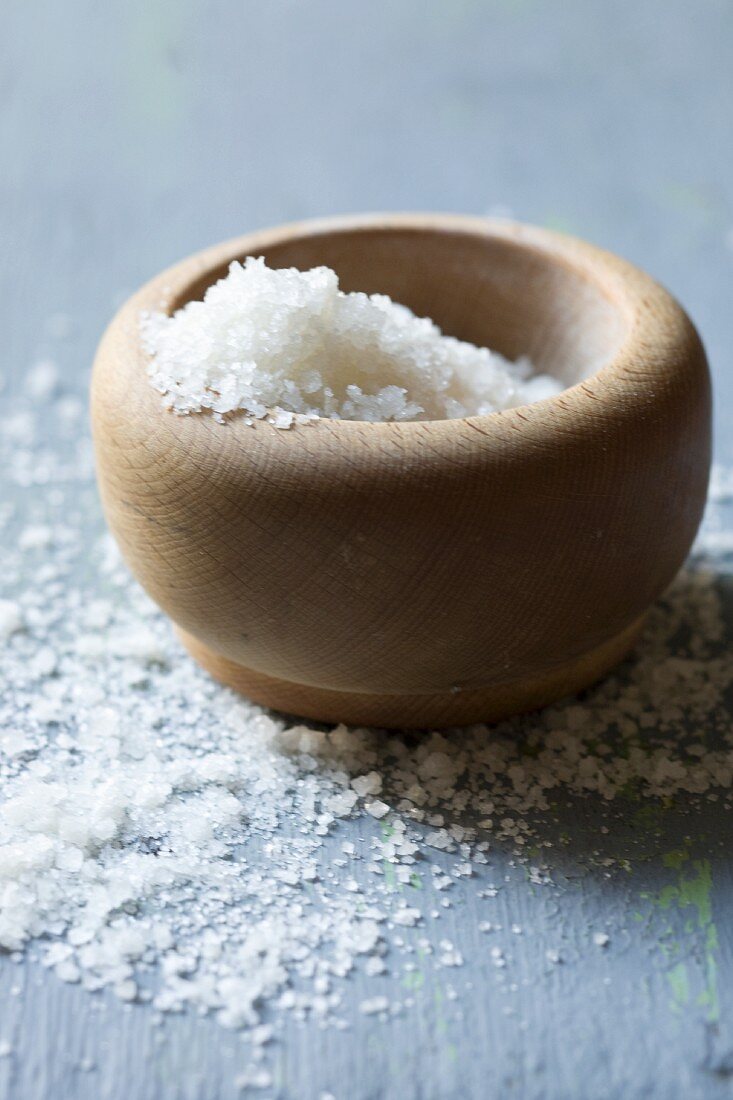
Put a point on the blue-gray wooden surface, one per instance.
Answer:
(133, 133)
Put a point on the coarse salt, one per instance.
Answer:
(163, 838)
(283, 344)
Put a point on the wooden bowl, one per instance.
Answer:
(421, 573)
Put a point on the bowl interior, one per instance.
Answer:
(500, 293)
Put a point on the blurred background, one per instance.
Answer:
(132, 134)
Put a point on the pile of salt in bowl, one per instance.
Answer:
(286, 344)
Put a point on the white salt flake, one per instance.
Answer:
(283, 344)
(367, 784)
(11, 618)
(42, 379)
(36, 536)
(256, 1078)
(376, 808)
(407, 917)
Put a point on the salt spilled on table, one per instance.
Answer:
(174, 843)
(286, 344)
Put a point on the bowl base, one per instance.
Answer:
(460, 708)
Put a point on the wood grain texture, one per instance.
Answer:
(421, 573)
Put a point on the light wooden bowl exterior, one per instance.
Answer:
(424, 573)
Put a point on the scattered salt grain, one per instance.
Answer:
(11, 619)
(367, 784)
(41, 380)
(257, 1078)
(36, 536)
(68, 971)
(283, 344)
(406, 917)
(157, 832)
(449, 954)
(374, 1005)
(261, 1035)
(377, 808)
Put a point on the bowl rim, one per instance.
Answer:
(653, 320)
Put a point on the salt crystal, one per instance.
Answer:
(373, 1005)
(367, 784)
(261, 1035)
(11, 618)
(42, 380)
(376, 808)
(282, 419)
(439, 839)
(407, 917)
(254, 1079)
(35, 537)
(343, 803)
(67, 971)
(284, 343)
(450, 957)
